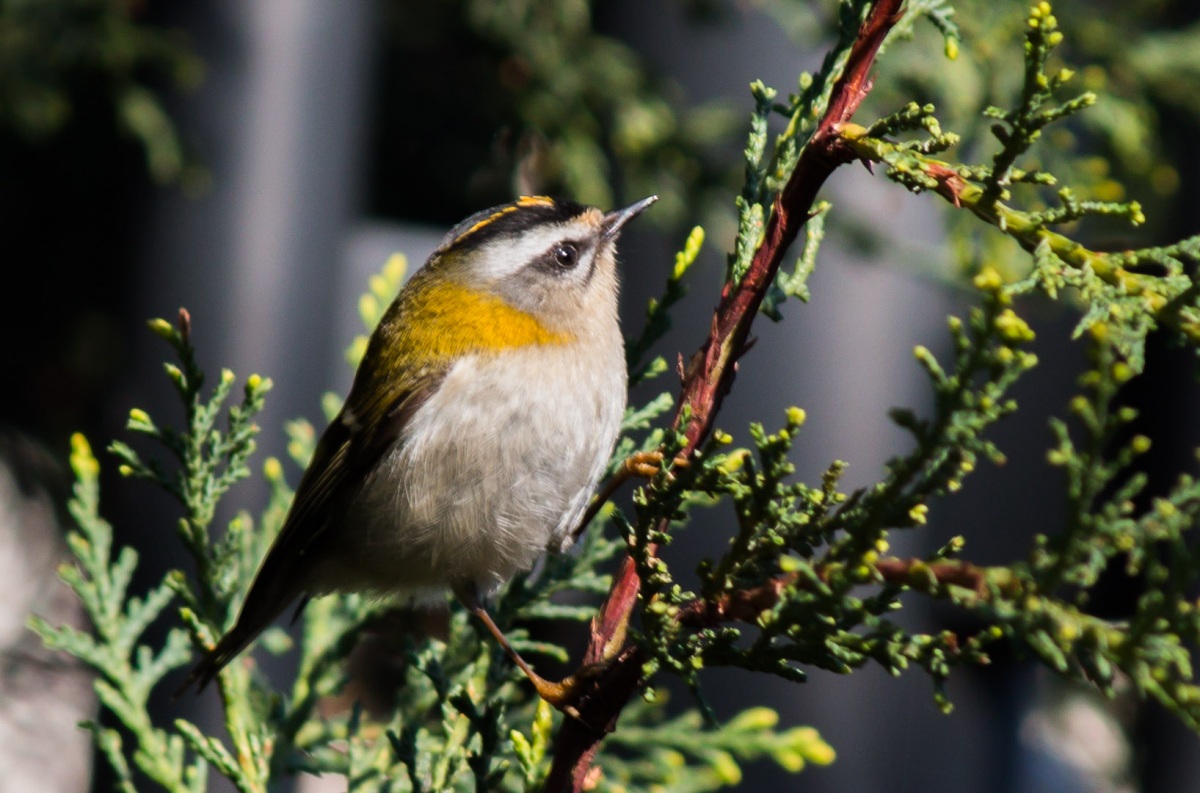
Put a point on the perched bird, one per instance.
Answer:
(477, 427)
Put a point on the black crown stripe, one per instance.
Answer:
(508, 219)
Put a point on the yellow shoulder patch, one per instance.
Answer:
(446, 320)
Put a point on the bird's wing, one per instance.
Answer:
(388, 388)
(344, 454)
(371, 421)
(382, 400)
(348, 451)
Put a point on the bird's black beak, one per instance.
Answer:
(614, 220)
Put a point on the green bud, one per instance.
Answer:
(921, 578)
(521, 745)
(687, 257)
(725, 768)
(734, 461)
(1012, 328)
(753, 720)
(988, 279)
(162, 329)
(810, 744)
(368, 309)
(175, 373)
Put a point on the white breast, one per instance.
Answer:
(497, 466)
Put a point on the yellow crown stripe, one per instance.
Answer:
(523, 202)
(492, 218)
(447, 320)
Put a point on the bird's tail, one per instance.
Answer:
(258, 612)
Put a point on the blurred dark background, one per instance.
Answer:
(256, 162)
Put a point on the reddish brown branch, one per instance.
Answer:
(959, 574)
(710, 374)
(746, 605)
(707, 379)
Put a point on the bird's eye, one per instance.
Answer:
(566, 255)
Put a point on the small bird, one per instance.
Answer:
(477, 427)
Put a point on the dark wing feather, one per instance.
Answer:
(347, 451)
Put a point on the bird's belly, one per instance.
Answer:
(495, 467)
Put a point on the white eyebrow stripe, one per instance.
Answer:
(501, 258)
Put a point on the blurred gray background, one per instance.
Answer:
(298, 197)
